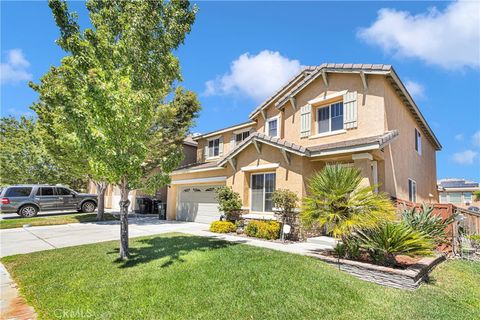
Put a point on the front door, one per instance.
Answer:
(47, 198)
(263, 186)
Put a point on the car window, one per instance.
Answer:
(63, 192)
(45, 191)
(18, 192)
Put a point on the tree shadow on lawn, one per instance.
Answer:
(173, 248)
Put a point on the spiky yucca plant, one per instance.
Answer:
(425, 221)
(393, 238)
(338, 202)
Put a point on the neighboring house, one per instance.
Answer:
(358, 115)
(459, 192)
(112, 194)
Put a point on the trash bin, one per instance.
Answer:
(160, 209)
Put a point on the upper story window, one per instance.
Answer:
(214, 148)
(239, 137)
(467, 197)
(418, 142)
(272, 127)
(330, 118)
(412, 190)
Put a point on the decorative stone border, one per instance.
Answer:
(410, 278)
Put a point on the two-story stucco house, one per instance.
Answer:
(355, 114)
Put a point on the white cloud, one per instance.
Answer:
(465, 157)
(449, 38)
(459, 137)
(476, 138)
(14, 70)
(256, 76)
(416, 89)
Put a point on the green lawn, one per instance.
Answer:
(177, 276)
(51, 220)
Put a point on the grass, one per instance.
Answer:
(51, 220)
(177, 276)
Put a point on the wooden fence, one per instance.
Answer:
(467, 222)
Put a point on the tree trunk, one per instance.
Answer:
(124, 203)
(101, 188)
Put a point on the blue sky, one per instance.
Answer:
(434, 47)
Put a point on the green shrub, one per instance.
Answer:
(229, 202)
(390, 239)
(263, 229)
(286, 203)
(426, 222)
(222, 227)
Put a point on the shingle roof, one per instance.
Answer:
(381, 140)
(332, 67)
(197, 165)
(291, 147)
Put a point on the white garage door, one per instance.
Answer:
(198, 203)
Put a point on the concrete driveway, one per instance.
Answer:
(7, 216)
(31, 239)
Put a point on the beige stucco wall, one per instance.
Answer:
(227, 143)
(379, 110)
(173, 188)
(370, 110)
(401, 159)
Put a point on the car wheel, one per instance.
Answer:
(28, 211)
(88, 206)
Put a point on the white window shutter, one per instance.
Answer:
(220, 146)
(350, 110)
(232, 141)
(305, 121)
(205, 153)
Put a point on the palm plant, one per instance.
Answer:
(393, 238)
(339, 203)
(425, 221)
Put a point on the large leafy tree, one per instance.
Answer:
(113, 88)
(63, 145)
(24, 157)
(338, 202)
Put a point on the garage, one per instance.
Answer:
(198, 203)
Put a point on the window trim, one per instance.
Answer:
(418, 142)
(251, 191)
(317, 120)
(267, 126)
(208, 147)
(413, 198)
(235, 133)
